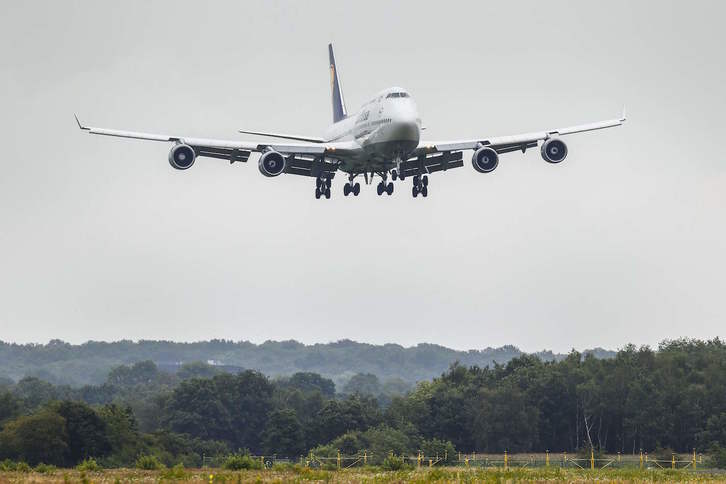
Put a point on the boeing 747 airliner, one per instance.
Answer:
(382, 139)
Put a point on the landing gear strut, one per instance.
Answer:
(420, 185)
(322, 187)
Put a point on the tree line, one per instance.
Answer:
(62, 363)
(669, 398)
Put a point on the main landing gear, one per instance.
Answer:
(385, 186)
(322, 187)
(420, 185)
(351, 187)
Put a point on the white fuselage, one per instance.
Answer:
(387, 128)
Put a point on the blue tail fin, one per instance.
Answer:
(339, 111)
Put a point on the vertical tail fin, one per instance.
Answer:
(339, 111)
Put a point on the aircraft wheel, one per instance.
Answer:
(389, 189)
(317, 193)
(425, 191)
(356, 189)
(425, 180)
(379, 189)
(346, 189)
(414, 192)
(416, 180)
(327, 193)
(318, 182)
(328, 182)
(394, 175)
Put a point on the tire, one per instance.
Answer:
(389, 189)
(394, 175)
(416, 180)
(328, 182)
(346, 189)
(327, 193)
(414, 192)
(356, 189)
(318, 182)
(317, 193)
(425, 191)
(425, 180)
(379, 189)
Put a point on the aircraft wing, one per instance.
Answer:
(307, 159)
(505, 144)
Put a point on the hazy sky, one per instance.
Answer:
(623, 242)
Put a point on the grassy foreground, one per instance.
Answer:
(369, 474)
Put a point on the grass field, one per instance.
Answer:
(369, 474)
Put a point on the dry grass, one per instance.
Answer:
(371, 474)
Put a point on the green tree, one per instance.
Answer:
(36, 438)
(85, 429)
(363, 384)
(284, 434)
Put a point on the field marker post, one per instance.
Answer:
(262, 462)
(694, 457)
(646, 457)
(547, 458)
(431, 462)
(641, 458)
(592, 459)
(505, 460)
(564, 458)
(459, 456)
(618, 456)
(338, 460)
(673, 461)
(418, 460)
(365, 457)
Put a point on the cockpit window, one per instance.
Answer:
(398, 94)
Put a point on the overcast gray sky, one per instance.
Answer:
(623, 242)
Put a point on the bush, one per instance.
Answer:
(22, 467)
(89, 465)
(444, 449)
(45, 468)
(236, 462)
(176, 472)
(7, 465)
(149, 463)
(393, 463)
(717, 457)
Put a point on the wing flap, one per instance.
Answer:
(432, 163)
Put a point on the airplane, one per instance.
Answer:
(383, 138)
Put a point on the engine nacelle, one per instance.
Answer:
(554, 150)
(271, 163)
(182, 157)
(485, 159)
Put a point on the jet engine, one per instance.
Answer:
(485, 159)
(554, 150)
(182, 156)
(271, 163)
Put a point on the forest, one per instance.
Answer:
(63, 363)
(669, 398)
